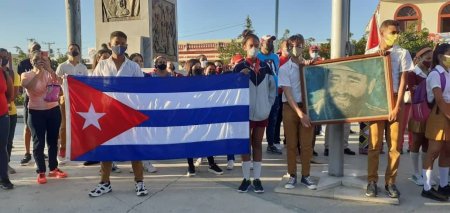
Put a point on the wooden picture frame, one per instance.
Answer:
(351, 89)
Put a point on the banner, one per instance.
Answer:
(128, 118)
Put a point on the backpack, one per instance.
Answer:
(421, 109)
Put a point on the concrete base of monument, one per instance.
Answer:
(351, 187)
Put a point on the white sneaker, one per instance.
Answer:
(140, 189)
(291, 183)
(61, 160)
(198, 162)
(230, 165)
(148, 167)
(115, 168)
(417, 179)
(279, 146)
(100, 189)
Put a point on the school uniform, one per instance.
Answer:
(438, 125)
(414, 79)
(400, 62)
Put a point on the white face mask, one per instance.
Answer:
(314, 55)
(251, 53)
(203, 63)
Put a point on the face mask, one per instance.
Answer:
(73, 53)
(203, 64)
(427, 64)
(297, 52)
(4, 61)
(314, 55)
(391, 40)
(251, 53)
(446, 61)
(161, 66)
(119, 50)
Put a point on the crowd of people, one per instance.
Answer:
(275, 98)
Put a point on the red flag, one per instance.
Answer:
(373, 39)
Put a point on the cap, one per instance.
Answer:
(314, 47)
(268, 37)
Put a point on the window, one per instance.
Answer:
(409, 17)
(444, 18)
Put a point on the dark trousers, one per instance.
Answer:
(191, 161)
(4, 130)
(44, 123)
(275, 118)
(230, 157)
(12, 131)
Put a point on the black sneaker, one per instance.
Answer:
(6, 184)
(392, 191)
(274, 150)
(215, 169)
(25, 160)
(191, 171)
(434, 195)
(90, 163)
(244, 186)
(348, 151)
(372, 189)
(444, 190)
(325, 152)
(257, 186)
(308, 182)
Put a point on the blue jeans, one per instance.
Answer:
(275, 118)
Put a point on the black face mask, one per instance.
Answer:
(4, 61)
(161, 66)
(74, 53)
(197, 72)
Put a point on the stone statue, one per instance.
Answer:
(120, 10)
(164, 29)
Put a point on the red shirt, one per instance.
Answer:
(3, 88)
(283, 60)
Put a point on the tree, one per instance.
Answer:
(21, 55)
(414, 41)
(227, 51)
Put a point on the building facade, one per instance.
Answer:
(192, 49)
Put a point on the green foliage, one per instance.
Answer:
(359, 45)
(21, 55)
(415, 40)
(20, 100)
(235, 46)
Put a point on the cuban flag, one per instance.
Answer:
(128, 118)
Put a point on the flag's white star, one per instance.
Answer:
(91, 117)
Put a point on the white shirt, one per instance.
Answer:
(400, 62)
(108, 68)
(67, 68)
(434, 81)
(420, 72)
(289, 76)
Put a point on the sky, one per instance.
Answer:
(45, 20)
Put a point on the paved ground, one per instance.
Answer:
(172, 191)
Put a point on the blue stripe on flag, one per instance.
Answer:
(166, 152)
(165, 85)
(187, 117)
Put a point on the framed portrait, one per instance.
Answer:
(351, 89)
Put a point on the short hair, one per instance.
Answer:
(202, 56)
(248, 34)
(3, 50)
(296, 37)
(134, 55)
(388, 23)
(118, 34)
(76, 45)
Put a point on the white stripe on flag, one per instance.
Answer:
(183, 100)
(181, 134)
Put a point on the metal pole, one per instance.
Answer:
(339, 37)
(73, 20)
(277, 7)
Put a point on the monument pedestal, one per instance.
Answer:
(150, 26)
(351, 187)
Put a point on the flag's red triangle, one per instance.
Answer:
(117, 119)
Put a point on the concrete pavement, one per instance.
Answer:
(171, 191)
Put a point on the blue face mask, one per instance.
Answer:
(119, 50)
